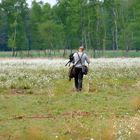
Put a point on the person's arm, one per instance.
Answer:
(87, 59)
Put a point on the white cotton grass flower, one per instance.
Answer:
(40, 72)
(33, 63)
(60, 63)
(115, 62)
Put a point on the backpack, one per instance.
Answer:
(71, 59)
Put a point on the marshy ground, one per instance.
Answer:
(37, 102)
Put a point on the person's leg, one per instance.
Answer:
(80, 80)
(76, 78)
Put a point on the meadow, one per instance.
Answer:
(37, 102)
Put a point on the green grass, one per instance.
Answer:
(59, 53)
(32, 108)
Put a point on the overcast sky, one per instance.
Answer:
(52, 2)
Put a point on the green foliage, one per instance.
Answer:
(52, 35)
(15, 12)
(97, 24)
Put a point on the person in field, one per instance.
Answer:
(80, 60)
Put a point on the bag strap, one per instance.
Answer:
(80, 58)
(76, 62)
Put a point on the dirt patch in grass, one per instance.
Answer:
(73, 114)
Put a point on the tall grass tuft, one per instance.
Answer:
(135, 103)
(108, 134)
(34, 133)
(135, 134)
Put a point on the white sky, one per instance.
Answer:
(52, 2)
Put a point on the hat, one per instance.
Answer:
(81, 48)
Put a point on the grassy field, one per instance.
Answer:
(60, 53)
(37, 102)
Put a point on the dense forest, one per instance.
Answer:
(96, 24)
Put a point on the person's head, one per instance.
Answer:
(81, 48)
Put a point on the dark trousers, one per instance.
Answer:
(78, 79)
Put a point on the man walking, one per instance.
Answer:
(80, 59)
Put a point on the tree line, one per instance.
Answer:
(96, 24)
